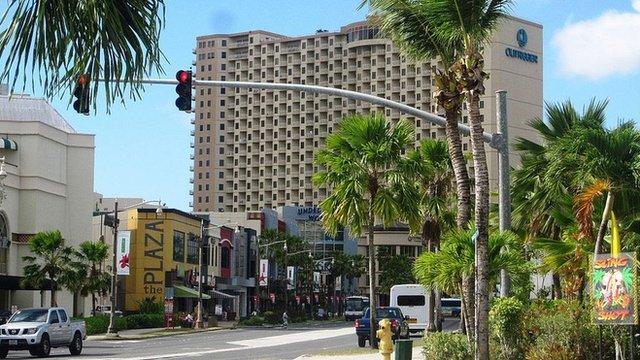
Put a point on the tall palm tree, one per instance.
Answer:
(447, 269)
(468, 25)
(431, 166)
(363, 164)
(51, 261)
(59, 40)
(93, 280)
(407, 24)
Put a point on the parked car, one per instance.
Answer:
(106, 310)
(399, 324)
(40, 329)
(451, 307)
(4, 316)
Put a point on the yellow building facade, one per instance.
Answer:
(163, 253)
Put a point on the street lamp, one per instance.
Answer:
(111, 330)
(203, 234)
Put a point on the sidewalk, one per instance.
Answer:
(416, 355)
(138, 334)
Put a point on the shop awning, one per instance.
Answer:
(221, 295)
(8, 144)
(185, 292)
(8, 282)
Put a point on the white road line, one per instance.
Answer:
(252, 344)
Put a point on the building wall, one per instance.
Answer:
(254, 149)
(151, 253)
(49, 187)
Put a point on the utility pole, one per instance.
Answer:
(112, 331)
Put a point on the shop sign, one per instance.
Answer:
(614, 280)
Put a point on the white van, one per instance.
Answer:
(412, 300)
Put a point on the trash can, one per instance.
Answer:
(403, 350)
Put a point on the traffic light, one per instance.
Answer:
(183, 102)
(81, 93)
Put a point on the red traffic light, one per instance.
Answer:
(183, 77)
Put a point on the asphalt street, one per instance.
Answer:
(243, 344)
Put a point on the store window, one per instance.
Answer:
(178, 246)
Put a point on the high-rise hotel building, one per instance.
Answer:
(254, 148)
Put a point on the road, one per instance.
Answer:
(224, 344)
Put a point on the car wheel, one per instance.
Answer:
(362, 342)
(75, 348)
(45, 346)
(3, 353)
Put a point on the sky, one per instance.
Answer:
(590, 51)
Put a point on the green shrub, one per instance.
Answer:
(561, 328)
(100, 323)
(253, 321)
(149, 305)
(144, 321)
(271, 318)
(505, 319)
(440, 345)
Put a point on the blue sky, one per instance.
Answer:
(589, 52)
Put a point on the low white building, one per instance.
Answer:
(49, 186)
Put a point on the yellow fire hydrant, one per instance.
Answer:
(385, 346)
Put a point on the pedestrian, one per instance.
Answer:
(285, 320)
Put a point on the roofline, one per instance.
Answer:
(202, 37)
(528, 22)
(171, 211)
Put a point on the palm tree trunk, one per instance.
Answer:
(463, 188)
(467, 295)
(557, 287)
(373, 341)
(603, 223)
(482, 226)
(93, 304)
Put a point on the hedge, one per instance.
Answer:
(100, 323)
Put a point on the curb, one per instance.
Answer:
(102, 337)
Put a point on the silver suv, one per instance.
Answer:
(40, 329)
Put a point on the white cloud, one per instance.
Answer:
(602, 46)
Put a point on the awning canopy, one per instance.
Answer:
(185, 292)
(219, 295)
(8, 282)
(8, 144)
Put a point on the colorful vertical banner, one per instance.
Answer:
(264, 272)
(291, 281)
(338, 286)
(614, 280)
(316, 281)
(122, 252)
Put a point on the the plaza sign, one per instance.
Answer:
(522, 39)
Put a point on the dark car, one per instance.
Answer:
(4, 316)
(399, 324)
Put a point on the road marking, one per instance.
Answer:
(293, 338)
(251, 344)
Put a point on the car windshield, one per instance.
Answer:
(386, 313)
(450, 303)
(357, 304)
(31, 315)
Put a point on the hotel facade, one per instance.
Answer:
(254, 149)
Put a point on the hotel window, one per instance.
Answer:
(178, 246)
(192, 249)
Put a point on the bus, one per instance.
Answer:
(355, 306)
(412, 300)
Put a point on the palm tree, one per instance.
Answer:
(51, 261)
(431, 166)
(114, 40)
(543, 202)
(363, 164)
(407, 24)
(447, 269)
(90, 257)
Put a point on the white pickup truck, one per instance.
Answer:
(40, 329)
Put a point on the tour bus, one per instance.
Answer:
(412, 300)
(355, 306)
